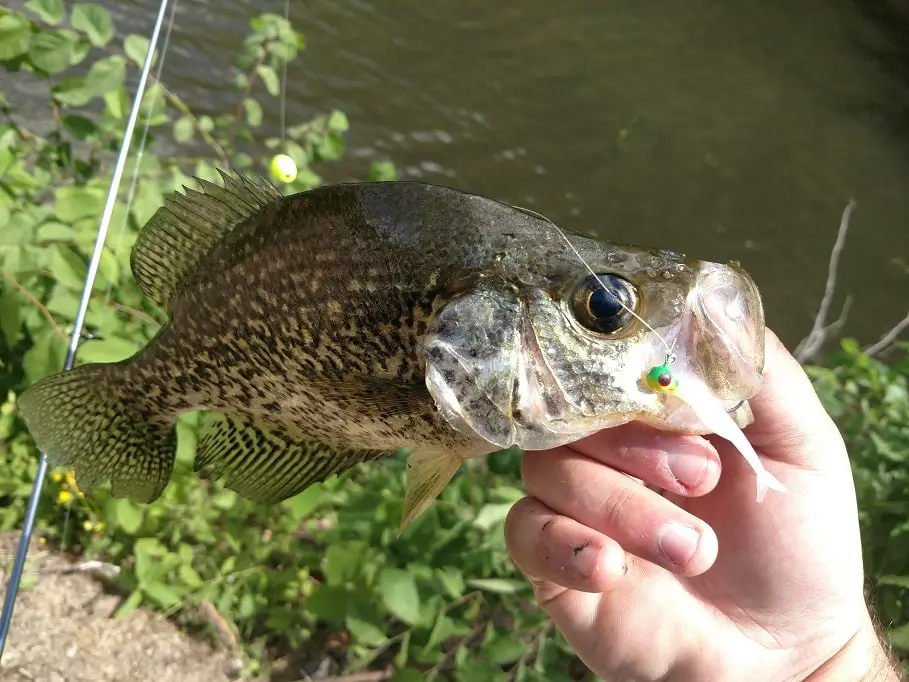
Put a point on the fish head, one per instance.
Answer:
(556, 343)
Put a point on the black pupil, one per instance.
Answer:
(603, 304)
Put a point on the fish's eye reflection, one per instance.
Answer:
(603, 304)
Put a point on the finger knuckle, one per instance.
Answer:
(618, 505)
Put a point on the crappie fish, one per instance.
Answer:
(341, 324)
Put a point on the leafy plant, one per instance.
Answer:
(869, 400)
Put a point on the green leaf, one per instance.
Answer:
(80, 127)
(328, 603)
(382, 171)
(896, 580)
(73, 203)
(51, 11)
(51, 52)
(400, 594)
(94, 21)
(68, 267)
(184, 130)
(899, 637)
(407, 675)
(303, 504)
(46, 356)
(504, 648)
(72, 92)
(10, 315)
(452, 581)
(253, 112)
(130, 605)
(491, 515)
(136, 48)
(270, 78)
(126, 514)
(108, 349)
(15, 33)
(342, 563)
(106, 75)
(338, 121)
(164, 595)
(332, 147)
(365, 632)
(498, 585)
(190, 576)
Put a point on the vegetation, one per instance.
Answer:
(324, 571)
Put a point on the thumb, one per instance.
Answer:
(790, 423)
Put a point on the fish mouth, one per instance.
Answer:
(718, 340)
(719, 337)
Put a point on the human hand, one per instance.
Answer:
(701, 582)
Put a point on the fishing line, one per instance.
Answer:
(28, 525)
(143, 142)
(283, 109)
(670, 356)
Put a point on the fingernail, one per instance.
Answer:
(689, 470)
(678, 542)
(584, 558)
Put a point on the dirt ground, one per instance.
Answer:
(63, 631)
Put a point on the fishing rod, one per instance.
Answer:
(28, 526)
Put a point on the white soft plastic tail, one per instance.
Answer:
(714, 417)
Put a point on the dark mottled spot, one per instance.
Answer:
(580, 548)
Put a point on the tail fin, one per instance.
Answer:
(80, 419)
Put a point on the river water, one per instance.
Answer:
(733, 130)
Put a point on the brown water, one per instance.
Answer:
(734, 130)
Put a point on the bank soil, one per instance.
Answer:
(64, 631)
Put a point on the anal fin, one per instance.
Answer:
(427, 476)
(266, 465)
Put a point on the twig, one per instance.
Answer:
(35, 302)
(463, 641)
(184, 109)
(810, 345)
(132, 312)
(887, 339)
(365, 676)
(247, 91)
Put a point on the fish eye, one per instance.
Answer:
(601, 303)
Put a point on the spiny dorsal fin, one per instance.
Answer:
(183, 231)
(265, 465)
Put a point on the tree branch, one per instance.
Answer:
(35, 302)
(811, 344)
(888, 339)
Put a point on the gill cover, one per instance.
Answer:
(485, 372)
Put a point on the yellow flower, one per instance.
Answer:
(56, 477)
(88, 525)
(42, 541)
(64, 497)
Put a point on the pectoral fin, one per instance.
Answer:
(266, 465)
(427, 476)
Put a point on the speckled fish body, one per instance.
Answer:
(341, 324)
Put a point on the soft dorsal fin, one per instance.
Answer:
(183, 231)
